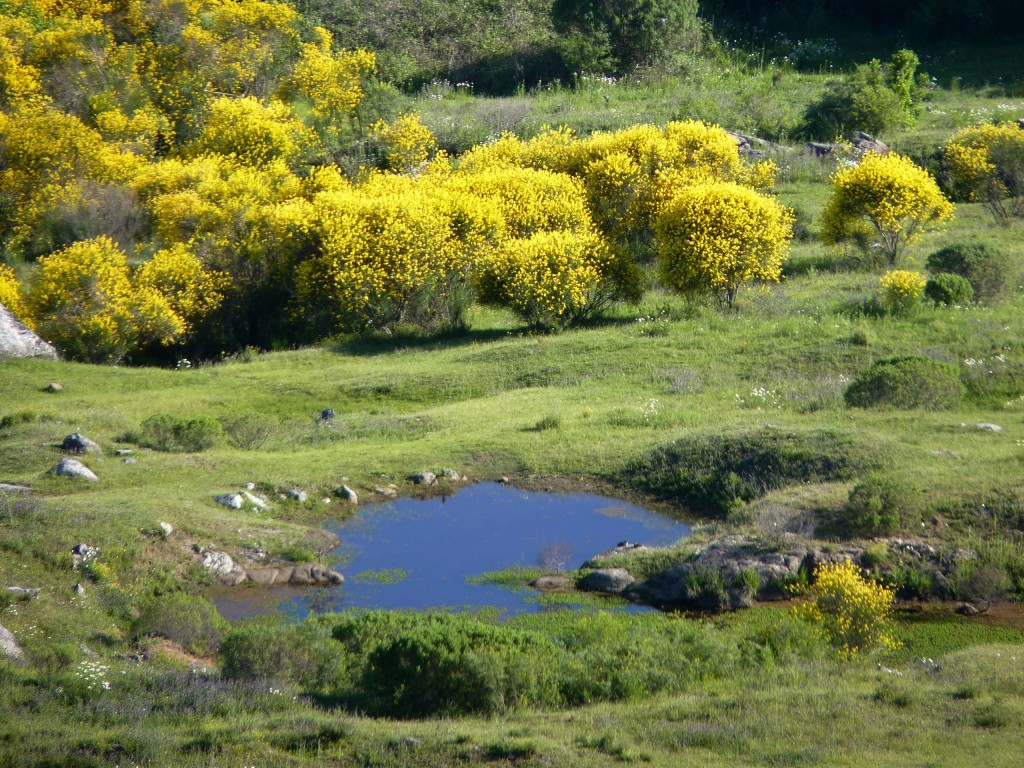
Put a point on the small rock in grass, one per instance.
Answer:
(451, 475)
(347, 494)
(388, 493)
(53, 386)
(74, 468)
(256, 501)
(8, 644)
(249, 486)
(326, 500)
(166, 529)
(79, 590)
(124, 452)
(425, 478)
(987, 427)
(230, 500)
(79, 443)
(298, 495)
(130, 460)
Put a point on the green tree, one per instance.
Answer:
(615, 36)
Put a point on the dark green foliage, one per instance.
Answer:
(299, 654)
(881, 506)
(875, 98)
(167, 432)
(988, 268)
(616, 36)
(913, 381)
(710, 473)
(949, 289)
(191, 621)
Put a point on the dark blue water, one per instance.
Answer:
(439, 544)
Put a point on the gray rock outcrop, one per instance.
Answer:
(17, 340)
(612, 580)
(230, 500)
(424, 478)
(79, 443)
(9, 644)
(309, 573)
(74, 468)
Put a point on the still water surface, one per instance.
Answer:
(416, 553)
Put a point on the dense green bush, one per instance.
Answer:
(988, 268)
(167, 432)
(949, 289)
(191, 621)
(297, 654)
(913, 381)
(710, 473)
(881, 506)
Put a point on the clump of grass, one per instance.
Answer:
(912, 381)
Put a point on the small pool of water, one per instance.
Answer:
(416, 553)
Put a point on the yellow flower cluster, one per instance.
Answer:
(10, 295)
(854, 614)
(719, 236)
(178, 276)
(901, 289)
(332, 82)
(883, 202)
(986, 163)
(407, 143)
(253, 132)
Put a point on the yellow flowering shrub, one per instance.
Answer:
(717, 237)
(884, 202)
(84, 302)
(550, 279)
(251, 132)
(407, 144)
(10, 295)
(901, 289)
(854, 614)
(986, 163)
(177, 275)
(332, 82)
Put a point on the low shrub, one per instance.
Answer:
(900, 290)
(913, 381)
(881, 506)
(298, 654)
(167, 432)
(988, 268)
(949, 289)
(711, 473)
(248, 432)
(191, 621)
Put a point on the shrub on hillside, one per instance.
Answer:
(167, 432)
(881, 506)
(914, 381)
(711, 473)
(986, 163)
(298, 654)
(949, 289)
(988, 268)
(191, 621)
(901, 290)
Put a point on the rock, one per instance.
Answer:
(552, 582)
(606, 580)
(968, 609)
(223, 567)
(79, 443)
(326, 500)
(504, 480)
(74, 468)
(249, 486)
(388, 493)
(9, 488)
(9, 644)
(16, 340)
(346, 493)
(79, 590)
(53, 387)
(622, 548)
(297, 494)
(451, 475)
(25, 593)
(256, 501)
(124, 452)
(230, 500)
(740, 598)
(84, 552)
(424, 478)
(987, 427)
(944, 453)
(821, 149)
(166, 529)
(129, 461)
(863, 143)
(309, 573)
(327, 414)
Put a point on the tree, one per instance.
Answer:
(883, 203)
(986, 163)
(615, 36)
(717, 237)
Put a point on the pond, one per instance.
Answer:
(424, 553)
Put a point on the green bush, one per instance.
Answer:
(862, 101)
(988, 268)
(949, 289)
(881, 506)
(914, 381)
(191, 621)
(711, 473)
(302, 654)
(166, 432)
